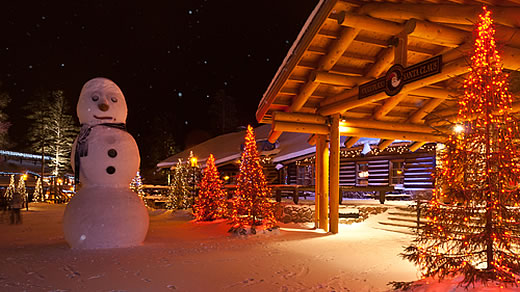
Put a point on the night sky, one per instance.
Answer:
(170, 58)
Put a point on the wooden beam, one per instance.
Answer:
(322, 180)
(458, 14)
(384, 61)
(365, 123)
(338, 48)
(457, 67)
(369, 23)
(394, 135)
(337, 79)
(515, 107)
(300, 128)
(436, 33)
(428, 107)
(384, 143)
(273, 135)
(334, 174)
(389, 104)
(312, 139)
(415, 146)
(299, 118)
(434, 92)
(351, 141)
(305, 92)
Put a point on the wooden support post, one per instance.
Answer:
(401, 51)
(334, 174)
(322, 182)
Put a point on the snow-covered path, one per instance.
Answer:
(179, 255)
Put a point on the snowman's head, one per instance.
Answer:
(101, 101)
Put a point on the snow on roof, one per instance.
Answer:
(226, 147)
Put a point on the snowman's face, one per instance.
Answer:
(101, 101)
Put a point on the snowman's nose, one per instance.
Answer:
(103, 107)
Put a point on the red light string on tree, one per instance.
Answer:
(472, 220)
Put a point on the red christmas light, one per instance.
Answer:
(477, 187)
(252, 205)
(210, 204)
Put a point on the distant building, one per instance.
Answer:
(290, 162)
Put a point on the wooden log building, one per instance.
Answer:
(385, 69)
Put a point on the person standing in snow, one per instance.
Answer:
(16, 204)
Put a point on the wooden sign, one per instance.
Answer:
(397, 76)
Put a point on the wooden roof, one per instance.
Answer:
(346, 43)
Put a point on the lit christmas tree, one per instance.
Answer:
(38, 191)
(136, 185)
(211, 202)
(11, 188)
(179, 196)
(252, 205)
(472, 227)
(22, 190)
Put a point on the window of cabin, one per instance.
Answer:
(362, 173)
(396, 172)
(304, 174)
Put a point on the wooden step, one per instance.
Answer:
(398, 224)
(398, 230)
(406, 219)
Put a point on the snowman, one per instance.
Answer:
(104, 213)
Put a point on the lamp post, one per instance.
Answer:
(193, 161)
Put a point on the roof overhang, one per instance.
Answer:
(346, 44)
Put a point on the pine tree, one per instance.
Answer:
(136, 185)
(210, 204)
(179, 196)
(52, 130)
(11, 188)
(252, 205)
(472, 228)
(38, 191)
(21, 189)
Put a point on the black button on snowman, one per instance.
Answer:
(104, 213)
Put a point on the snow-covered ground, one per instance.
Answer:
(181, 255)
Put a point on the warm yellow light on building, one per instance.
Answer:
(226, 178)
(24, 177)
(60, 181)
(193, 161)
(458, 128)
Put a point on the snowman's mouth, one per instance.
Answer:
(102, 118)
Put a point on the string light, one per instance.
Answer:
(251, 206)
(478, 183)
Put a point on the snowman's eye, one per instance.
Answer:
(95, 98)
(113, 99)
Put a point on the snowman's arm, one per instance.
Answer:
(73, 153)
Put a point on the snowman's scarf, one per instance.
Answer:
(82, 144)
